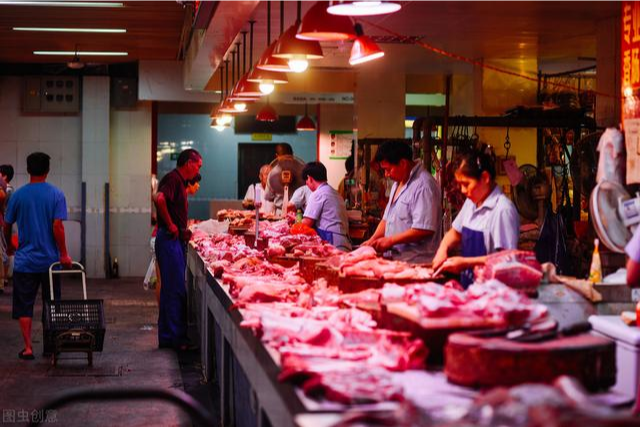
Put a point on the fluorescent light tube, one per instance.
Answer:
(62, 3)
(79, 53)
(71, 30)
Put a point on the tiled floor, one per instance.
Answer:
(130, 359)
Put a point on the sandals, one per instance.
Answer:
(23, 356)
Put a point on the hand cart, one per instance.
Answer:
(72, 326)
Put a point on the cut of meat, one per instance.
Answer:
(361, 385)
(517, 269)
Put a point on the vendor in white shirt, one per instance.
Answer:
(488, 221)
(260, 188)
(326, 211)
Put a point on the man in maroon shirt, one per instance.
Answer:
(171, 239)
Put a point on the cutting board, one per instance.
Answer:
(487, 362)
(432, 331)
(308, 267)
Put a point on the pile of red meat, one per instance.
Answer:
(491, 302)
(300, 245)
(517, 269)
(364, 262)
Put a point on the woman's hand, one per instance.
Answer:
(454, 264)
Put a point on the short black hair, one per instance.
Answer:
(284, 149)
(315, 170)
(393, 152)
(7, 170)
(188, 154)
(349, 164)
(195, 179)
(38, 163)
(476, 161)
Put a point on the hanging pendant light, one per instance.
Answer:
(306, 123)
(319, 25)
(265, 79)
(266, 61)
(297, 52)
(267, 113)
(362, 8)
(364, 49)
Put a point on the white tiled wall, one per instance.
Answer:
(123, 158)
(59, 136)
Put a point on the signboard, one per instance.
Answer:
(630, 79)
(630, 46)
(261, 137)
(341, 143)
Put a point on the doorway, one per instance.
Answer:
(251, 156)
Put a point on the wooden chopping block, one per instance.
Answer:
(308, 267)
(487, 362)
(432, 331)
(238, 231)
(250, 239)
(285, 261)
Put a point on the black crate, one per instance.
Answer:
(73, 315)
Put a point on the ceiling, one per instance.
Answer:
(153, 31)
(559, 34)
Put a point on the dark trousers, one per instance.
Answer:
(172, 316)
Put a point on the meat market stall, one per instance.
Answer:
(351, 333)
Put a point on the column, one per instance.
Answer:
(95, 168)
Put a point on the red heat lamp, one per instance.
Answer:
(362, 8)
(268, 62)
(306, 125)
(364, 49)
(297, 52)
(319, 25)
(267, 114)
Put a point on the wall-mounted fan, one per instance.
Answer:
(530, 195)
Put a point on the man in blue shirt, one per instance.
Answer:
(39, 209)
(410, 229)
(325, 211)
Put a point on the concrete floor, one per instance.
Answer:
(130, 358)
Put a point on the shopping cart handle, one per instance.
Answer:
(73, 264)
(177, 397)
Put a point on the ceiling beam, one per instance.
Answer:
(208, 47)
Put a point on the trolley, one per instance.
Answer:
(72, 326)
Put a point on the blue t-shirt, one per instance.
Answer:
(34, 207)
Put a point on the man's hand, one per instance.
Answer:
(65, 260)
(173, 231)
(368, 242)
(382, 244)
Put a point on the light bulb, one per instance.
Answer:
(298, 65)
(267, 86)
(240, 106)
(220, 128)
(628, 91)
(224, 120)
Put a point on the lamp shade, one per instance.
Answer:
(305, 124)
(227, 107)
(364, 50)
(267, 114)
(268, 62)
(362, 8)
(290, 47)
(319, 25)
(245, 88)
(258, 75)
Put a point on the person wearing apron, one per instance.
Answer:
(326, 211)
(410, 229)
(488, 221)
